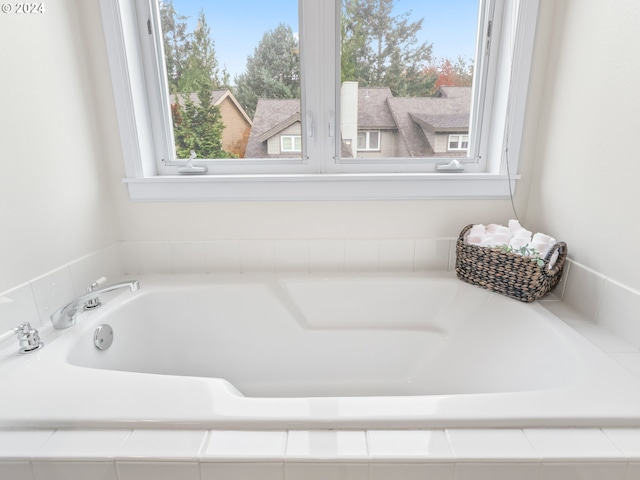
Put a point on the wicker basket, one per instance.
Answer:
(510, 274)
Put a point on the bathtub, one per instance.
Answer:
(312, 351)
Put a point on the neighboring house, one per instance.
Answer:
(237, 124)
(276, 131)
(374, 123)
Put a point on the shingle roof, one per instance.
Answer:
(373, 112)
(272, 115)
(418, 118)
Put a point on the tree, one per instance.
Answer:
(201, 68)
(273, 71)
(198, 126)
(192, 67)
(176, 43)
(380, 49)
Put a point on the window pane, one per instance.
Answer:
(233, 72)
(407, 71)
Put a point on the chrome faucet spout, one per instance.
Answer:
(65, 316)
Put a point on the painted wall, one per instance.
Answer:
(62, 194)
(586, 184)
(55, 200)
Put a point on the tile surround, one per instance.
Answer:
(601, 309)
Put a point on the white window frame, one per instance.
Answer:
(292, 138)
(367, 147)
(508, 29)
(459, 141)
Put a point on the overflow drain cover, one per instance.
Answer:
(103, 337)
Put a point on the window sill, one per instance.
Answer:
(321, 187)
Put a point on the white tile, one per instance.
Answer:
(292, 255)
(572, 444)
(496, 471)
(17, 444)
(326, 445)
(83, 445)
(15, 470)
(583, 290)
(408, 445)
(112, 262)
(257, 255)
(412, 471)
(72, 470)
(84, 272)
(620, 312)
(245, 446)
(627, 440)
(361, 255)
(603, 338)
(242, 471)
(188, 257)
(396, 255)
(165, 444)
(153, 257)
(52, 291)
(222, 256)
(491, 445)
(326, 471)
(583, 471)
(432, 254)
(562, 284)
(129, 258)
(158, 470)
(18, 306)
(326, 255)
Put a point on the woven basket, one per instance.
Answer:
(510, 274)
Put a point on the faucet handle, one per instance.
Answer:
(94, 302)
(28, 337)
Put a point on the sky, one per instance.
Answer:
(449, 25)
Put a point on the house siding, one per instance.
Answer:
(273, 144)
(236, 128)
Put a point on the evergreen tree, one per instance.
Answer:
(176, 43)
(198, 126)
(192, 67)
(380, 49)
(273, 71)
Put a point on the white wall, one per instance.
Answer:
(586, 186)
(62, 194)
(55, 203)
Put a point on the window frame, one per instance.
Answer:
(319, 174)
(460, 141)
(293, 139)
(367, 142)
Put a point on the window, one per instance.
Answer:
(458, 142)
(368, 141)
(325, 165)
(291, 143)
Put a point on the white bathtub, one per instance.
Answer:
(352, 351)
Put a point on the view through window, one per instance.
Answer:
(234, 77)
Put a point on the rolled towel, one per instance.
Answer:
(517, 243)
(492, 228)
(514, 225)
(541, 237)
(541, 247)
(522, 233)
(502, 238)
(503, 230)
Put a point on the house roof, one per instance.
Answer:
(417, 119)
(420, 118)
(373, 112)
(272, 116)
(217, 97)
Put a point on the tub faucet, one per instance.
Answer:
(65, 316)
